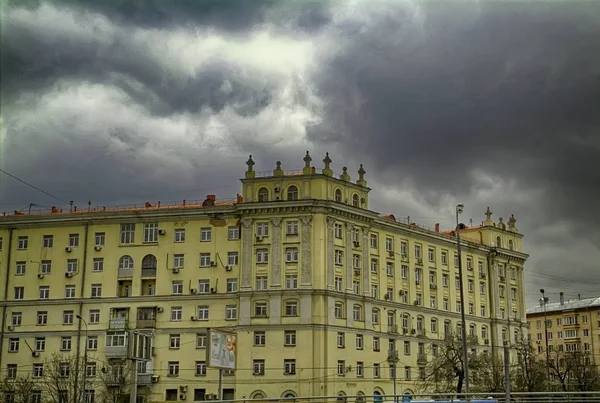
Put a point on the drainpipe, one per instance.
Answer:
(80, 311)
(5, 307)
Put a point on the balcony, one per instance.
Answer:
(421, 332)
(145, 323)
(393, 329)
(421, 359)
(144, 379)
(125, 273)
(117, 324)
(148, 271)
(116, 351)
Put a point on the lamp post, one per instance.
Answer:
(544, 300)
(85, 352)
(459, 210)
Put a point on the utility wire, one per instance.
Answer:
(34, 187)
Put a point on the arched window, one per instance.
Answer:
(375, 316)
(472, 330)
(289, 394)
(377, 397)
(338, 195)
(357, 312)
(510, 244)
(292, 193)
(360, 397)
(259, 394)
(263, 194)
(126, 262)
(498, 242)
(420, 324)
(434, 325)
(341, 397)
(149, 262)
(355, 200)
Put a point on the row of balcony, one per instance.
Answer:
(146, 272)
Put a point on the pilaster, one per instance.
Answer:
(330, 253)
(306, 258)
(247, 239)
(349, 228)
(366, 265)
(276, 254)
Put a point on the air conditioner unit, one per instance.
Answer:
(405, 330)
(357, 271)
(175, 270)
(391, 253)
(10, 328)
(69, 274)
(363, 200)
(40, 276)
(259, 238)
(159, 309)
(182, 396)
(386, 296)
(213, 264)
(486, 341)
(35, 354)
(68, 249)
(213, 290)
(193, 291)
(413, 331)
(193, 318)
(277, 189)
(482, 275)
(161, 232)
(356, 243)
(155, 378)
(420, 261)
(502, 278)
(416, 303)
(228, 268)
(97, 248)
(402, 292)
(538, 342)
(433, 285)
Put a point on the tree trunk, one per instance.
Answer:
(459, 385)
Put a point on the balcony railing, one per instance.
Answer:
(393, 329)
(149, 272)
(144, 379)
(145, 323)
(421, 359)
(125, 272)
(117, 324)
(116, 351)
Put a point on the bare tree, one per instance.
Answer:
(444, 372)
(115, 380)
(63, 379)
(21, 390)
(488, 373)
(530, 373)
(574, 371)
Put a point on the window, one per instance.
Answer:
(72, 266)
(339, 257)
(356, 261)
(263, 194)
(232, 285)
(260, 309)
(359, 342)
(289, 366)
(262, 256)
(201, 340)
(174, 341)
(469, 263)
(44, 292)
(291, 255)
(179, 235)
(22, 243)
(20, 268)
(289, 338)
(151, 233)
(16, 318)
(455, 260)
(262, 229)
(389, 244)
(73, 240)
(205, 260)
(355, 200)
(376, 370)
(68, 317)
(376, 344)
(231, 312)
(338, 195)
(96, 290)
(232, 259)
(99, 239)
(510, 244)
(11, 371)
(48, 241)
(260, 339)
(291, 281)
(46, 267)
(92, 342)
(482, 310)
(233, 233)
(404, 272)
(98, 264)
(40, 344)
(338, 310)
(261, 283)
(259, 365)
(94, 316)
(338, 231)
(418, 251)
(444, 258)
(291, 308)
(375, 316)
(356, 312)
(205, 235)
(375, 291)
(341, 368)
(498, 242)
(127, 233)
(389, 268)
(38, 370)
(482, 288)
(374, 242)
(470, 285)
(176, 313)
(434, 325)
(338, 284)
(173, 368)
(65, 343)
(178, 261)
(445, 280)
(203, 312)
(431, 254)
(292, 228)
(13, 345)
(292, 193)
(407, 348)
(126, 262)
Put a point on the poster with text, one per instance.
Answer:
(222, 349)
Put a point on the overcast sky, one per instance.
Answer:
(486, 103)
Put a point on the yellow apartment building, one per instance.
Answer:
(320, 289)
(572, 326)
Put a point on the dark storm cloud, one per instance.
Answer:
(507, 87)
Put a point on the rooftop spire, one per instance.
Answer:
(250, 172)
(327, 161)
(307, 159)
(488, 221)
(361, 176)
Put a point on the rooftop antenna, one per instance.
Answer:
(71, 203)
(89, 205)
(31, 205)
(470, 222)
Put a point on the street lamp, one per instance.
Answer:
(85, 352)
(544, 300)
(459, 210)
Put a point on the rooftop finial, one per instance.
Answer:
(250, 172)
(307, 169)
(345, 177)
(501, 224)
(361, 176)
(488, 213)
(512, 221)
(327, 161)
(278, 171)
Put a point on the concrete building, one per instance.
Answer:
(317, 287)
(572, 326)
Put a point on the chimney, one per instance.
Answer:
(211, 197)
(437, 227)
(239, 198)
(562, 299)
(210, 201)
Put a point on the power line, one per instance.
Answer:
(34, 187)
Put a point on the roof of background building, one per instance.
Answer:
(569, 305)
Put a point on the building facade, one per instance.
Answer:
(573, 326)
(325, 295)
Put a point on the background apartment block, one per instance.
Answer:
(320, 290)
